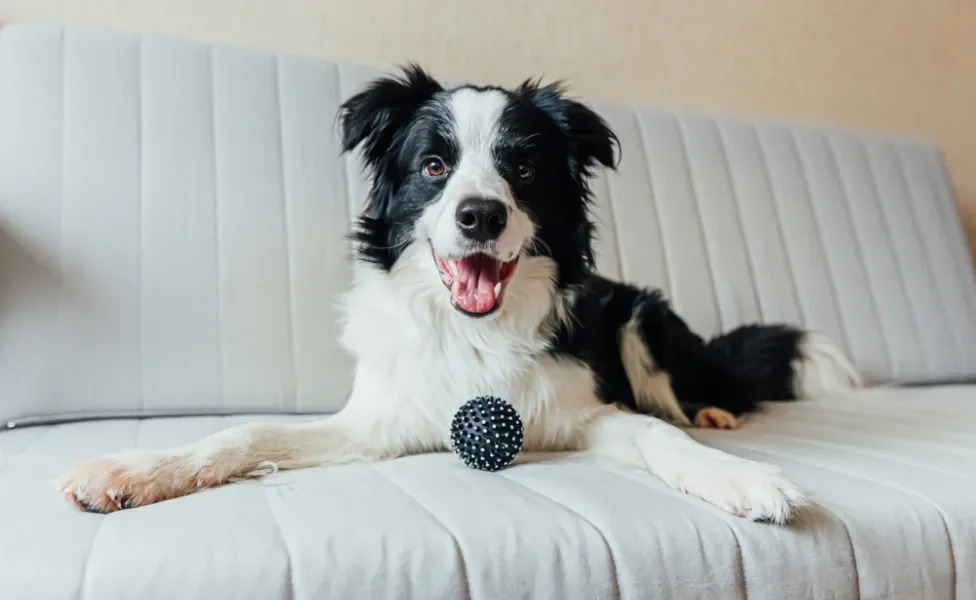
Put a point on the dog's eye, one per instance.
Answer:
(434, 167)
(526, 172)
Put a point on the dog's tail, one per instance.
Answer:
(779, 362)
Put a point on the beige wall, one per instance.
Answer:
(902, 65)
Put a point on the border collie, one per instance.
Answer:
(474, 275)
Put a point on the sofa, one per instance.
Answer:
(173, 220)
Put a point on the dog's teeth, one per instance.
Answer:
(498, 289)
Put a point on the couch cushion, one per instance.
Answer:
(182, 208)
(892, 471)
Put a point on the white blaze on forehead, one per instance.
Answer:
(476, 117)
(476, 124)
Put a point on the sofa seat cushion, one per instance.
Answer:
(892, 471)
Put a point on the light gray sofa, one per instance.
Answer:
(172, 243)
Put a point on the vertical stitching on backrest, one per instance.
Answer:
(820, 237)
(142, 229)
(696, 201)
(59, 301)
(927, 251)
(951, 225)
(217, 236)
(289, 268)
(750, 262)
(780, 229)
(946, 206)
(642, 136)
(859, 247)
(347, 159)
(615, 229)
(886, 229)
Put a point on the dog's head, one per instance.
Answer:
(480, 177)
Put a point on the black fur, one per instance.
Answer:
(383, 122)
(398, 121)
(734, 372)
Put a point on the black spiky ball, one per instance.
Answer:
(486, 433)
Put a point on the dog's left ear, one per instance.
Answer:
(591, 140)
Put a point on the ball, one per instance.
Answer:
(486, 433)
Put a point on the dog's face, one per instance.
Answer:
(481, 176)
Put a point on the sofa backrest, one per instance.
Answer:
(173, 218)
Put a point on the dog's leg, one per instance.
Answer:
(138, 478)
(756, 491)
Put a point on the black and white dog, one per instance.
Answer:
(474, 276)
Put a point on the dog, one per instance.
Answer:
(474, 275)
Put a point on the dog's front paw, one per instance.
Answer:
(105, 485)
(747, 489)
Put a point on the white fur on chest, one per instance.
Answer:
(419, 360)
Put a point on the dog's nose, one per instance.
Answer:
(481, 219)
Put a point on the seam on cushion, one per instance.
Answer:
(642, 136)
(750, 261)
(457, 545)
(840, 519)
(615, 229)
(927, 251)
(842, 419)
(696, 201)
(86, 571)
(289, 268)
(850, 544)
(835, 295)
(780, 230)
(616, 593)
(25, 449)
(891, 486)
(905, 414)
(859, 245)
(885, 221)
(217, 236)
(284, 542)
(949, 398)
(860, 452)
(685, 497)
(827, 428)
(140, 426)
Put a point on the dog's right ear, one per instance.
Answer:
(374, 116)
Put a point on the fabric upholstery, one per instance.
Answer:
(891, 470)
(172, 222)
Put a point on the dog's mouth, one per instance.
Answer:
(477, 282)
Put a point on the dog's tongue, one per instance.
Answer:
(474, 283)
